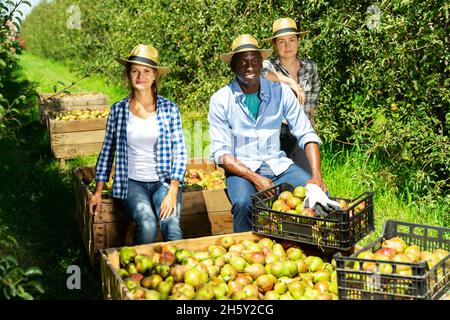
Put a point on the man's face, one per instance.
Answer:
(247, 66)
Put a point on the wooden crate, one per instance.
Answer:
(50, 103)
(74, 138)
(203, 213)
(113, 286)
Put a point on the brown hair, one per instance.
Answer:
(154, 86)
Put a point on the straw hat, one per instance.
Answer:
(284, 27)
(245, 43)
(146, 56)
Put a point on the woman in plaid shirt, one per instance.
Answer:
(145, 135)
(299, 74)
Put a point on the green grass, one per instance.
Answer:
(37, 200)
(37, 204)
(349, 173)
(47, 73)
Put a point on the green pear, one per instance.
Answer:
(280, 287)
(220, 290)
(164, 289)
(126, 255)
(296, 289)
(206, 292)
(272, 295)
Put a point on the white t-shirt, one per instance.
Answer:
(142, 135)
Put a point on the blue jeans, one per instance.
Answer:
(144, 205)
(240, 191)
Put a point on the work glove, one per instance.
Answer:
(317, 200)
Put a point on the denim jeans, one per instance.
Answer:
(289, 144)
(144, 205)
(240, 191)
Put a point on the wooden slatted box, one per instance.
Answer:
(50, 103)
(113, 286)
(203, 213)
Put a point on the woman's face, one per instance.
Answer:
(142, 77)
(286, 46)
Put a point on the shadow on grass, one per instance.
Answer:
(37, 204)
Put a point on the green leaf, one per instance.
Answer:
(27, 3)
(6, 293)
(32, 271)
(61, 83)
(25, 296)
(11, 260)
(37, 285)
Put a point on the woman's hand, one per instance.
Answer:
(95, 203)
(169, 204)
(298, 91)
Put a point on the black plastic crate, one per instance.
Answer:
(423, 284)
(340, 230)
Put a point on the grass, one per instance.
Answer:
(37, 200)
(47, 73)
(349, 173)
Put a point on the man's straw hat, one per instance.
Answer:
(245, 43)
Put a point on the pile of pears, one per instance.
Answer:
(292, 202)
(198, 179)
(248, 270)
(107, 186)
(81, 115)
(396, 250)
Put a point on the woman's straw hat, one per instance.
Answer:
(146, 56)
(284, 27)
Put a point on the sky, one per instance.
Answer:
(26, 9)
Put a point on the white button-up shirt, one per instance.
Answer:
(233, 131)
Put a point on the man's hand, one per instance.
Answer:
(315, 195)
(319, 181)
(261, 183)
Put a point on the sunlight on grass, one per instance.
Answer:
(47, 73)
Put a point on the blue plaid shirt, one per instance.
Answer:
(171, 155)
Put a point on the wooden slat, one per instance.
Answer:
(62, 126)
(205, 201)
(76, 150)
(221, 222)
(73, 138)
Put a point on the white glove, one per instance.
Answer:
(315, 195)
